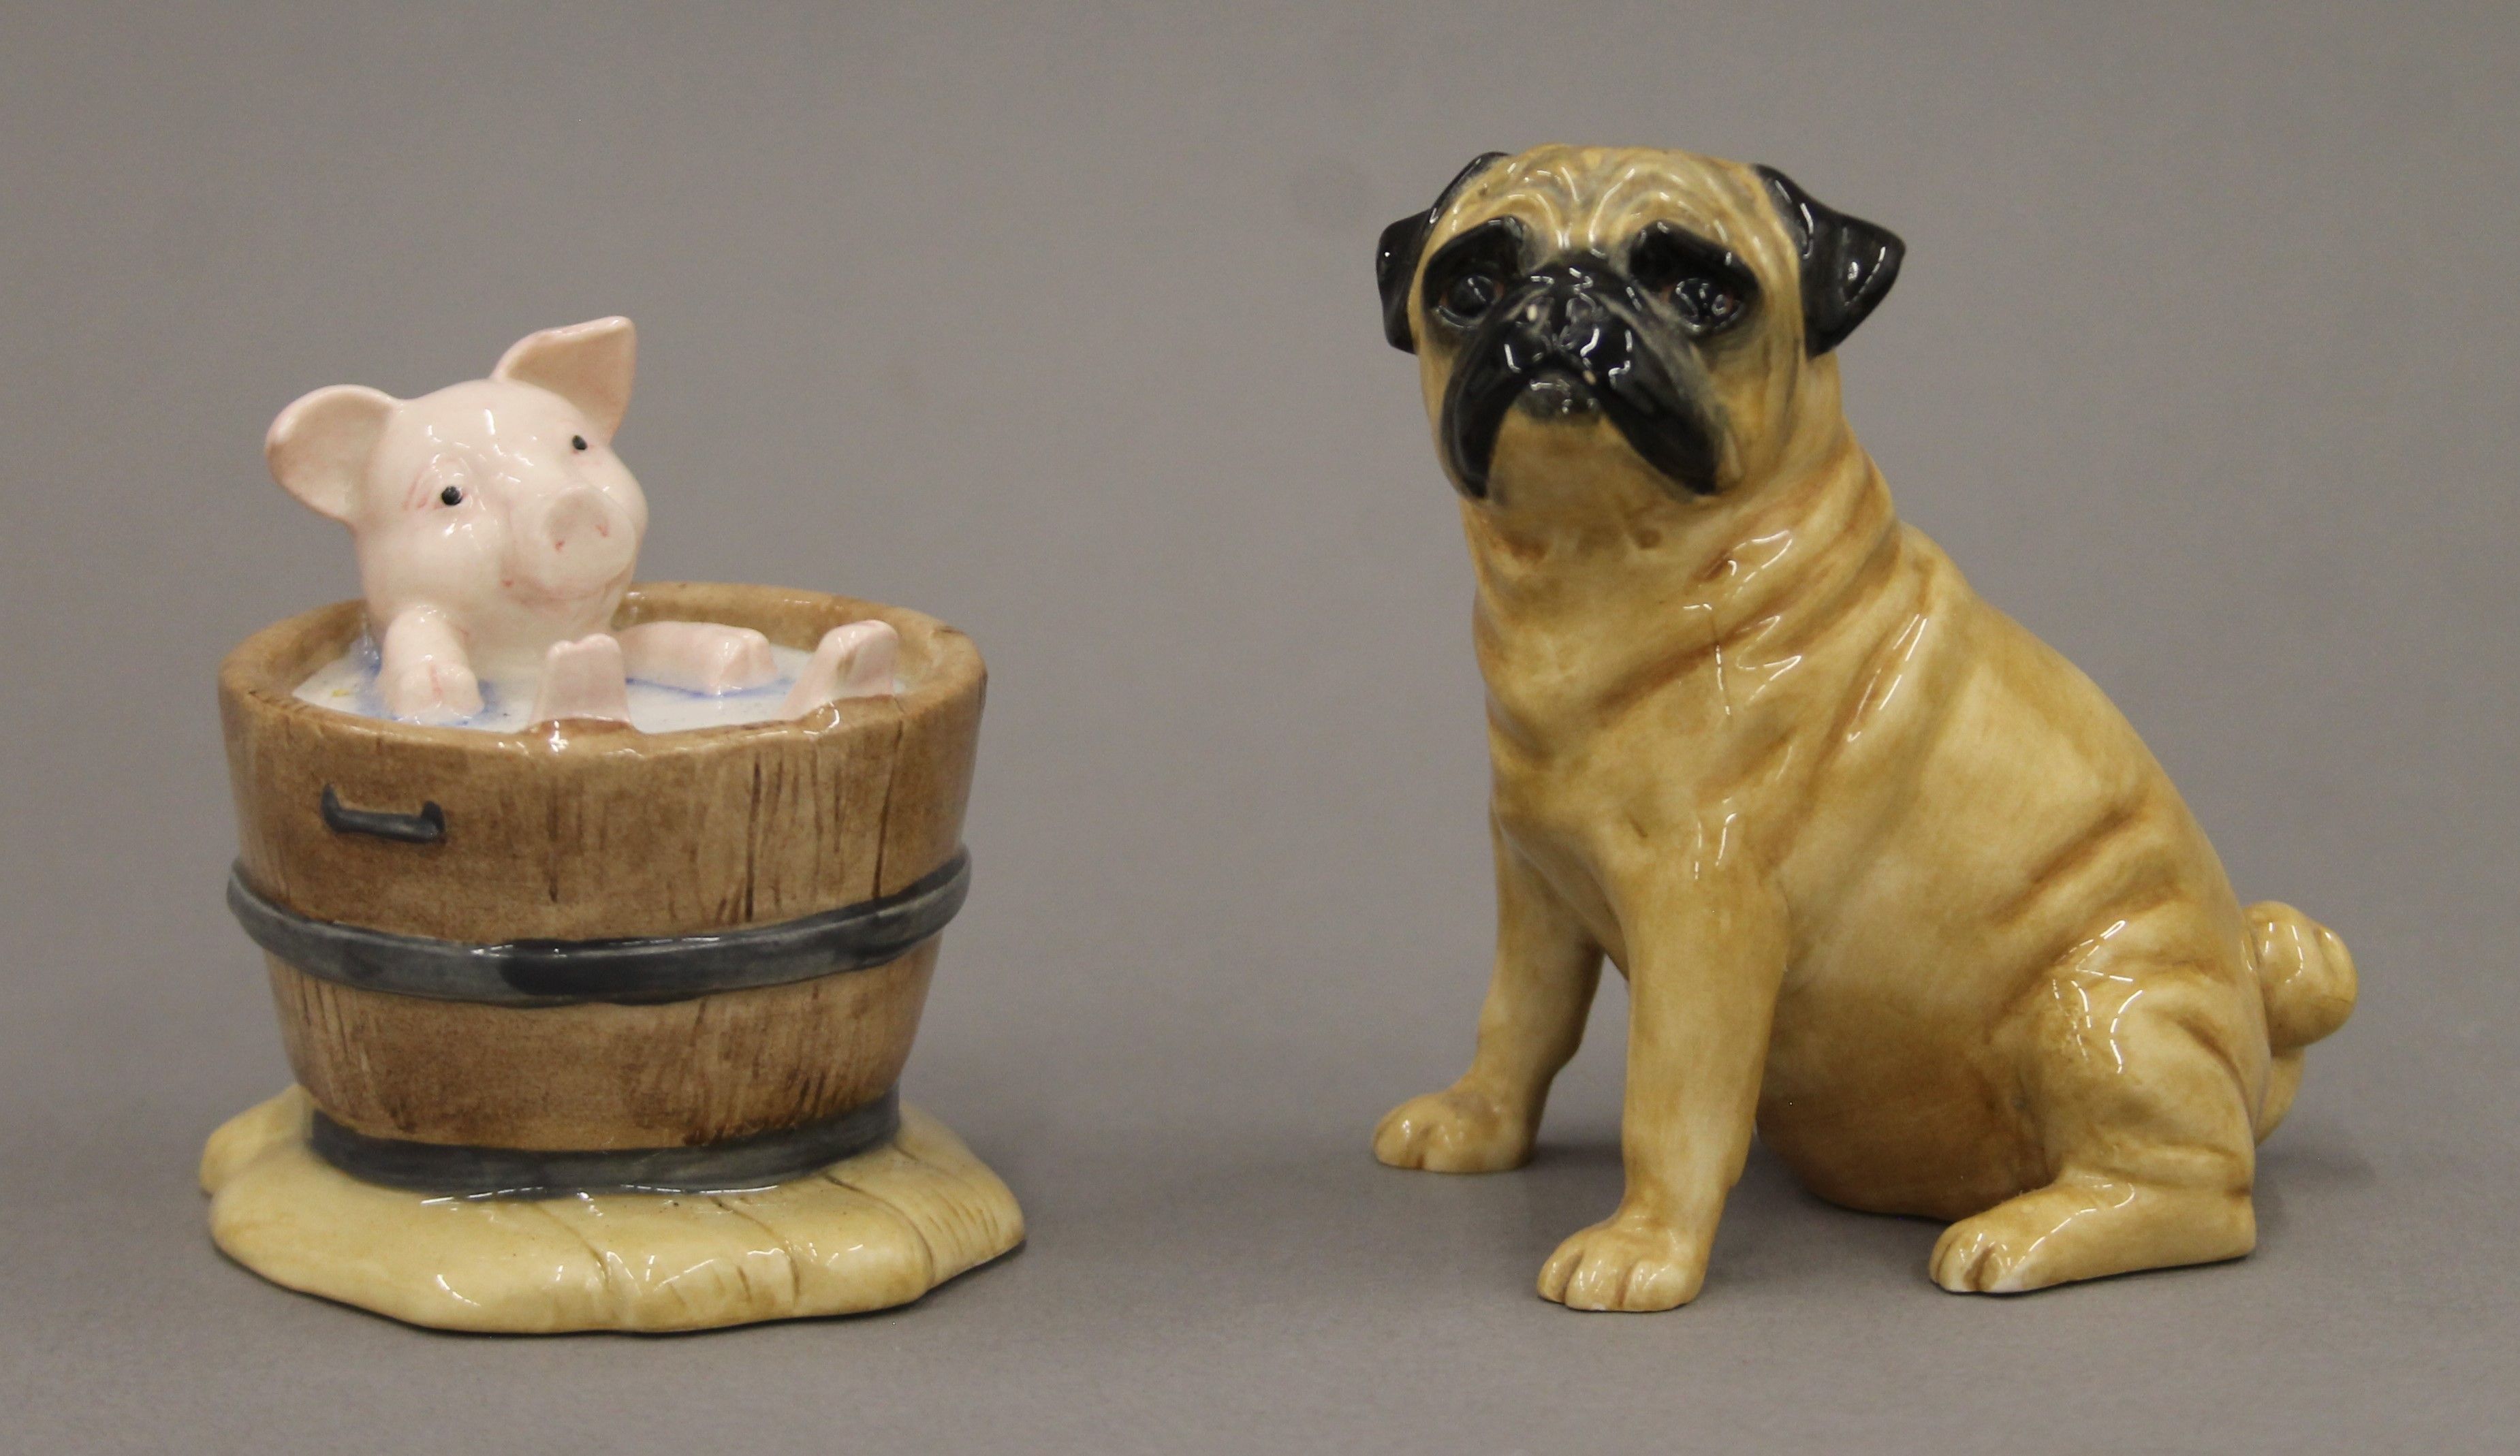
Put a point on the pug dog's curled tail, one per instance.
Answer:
(2306, 976)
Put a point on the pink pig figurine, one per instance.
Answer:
(496, 531)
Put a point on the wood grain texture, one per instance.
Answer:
(875, 1230)
(601, 1077)
(585, 831)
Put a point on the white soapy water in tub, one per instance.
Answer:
(349, 684)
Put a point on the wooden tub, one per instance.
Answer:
(588, 957)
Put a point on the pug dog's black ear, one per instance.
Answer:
(1848, 264)
(1395, 262)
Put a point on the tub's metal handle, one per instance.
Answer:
(428, 826)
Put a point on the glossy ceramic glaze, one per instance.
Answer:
(496, 530)
(598, 833)
(593, 953)
(349, 684)
(1889, 877)
(876, 1229)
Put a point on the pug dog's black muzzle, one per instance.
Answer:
(1565, 342)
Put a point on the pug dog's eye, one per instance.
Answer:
(1470, 295)
(451, 496)
(1703, 303)
(578, 442)
(1705, 284)
(1469, 277)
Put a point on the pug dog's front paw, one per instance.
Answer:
(1625, 1262)
(1459, 1129)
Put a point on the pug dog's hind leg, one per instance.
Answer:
(1706, 957)
(1546, 969)
(2144, 1089)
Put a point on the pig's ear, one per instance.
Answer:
(319, 446)
(590, 364)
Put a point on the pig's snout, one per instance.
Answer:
(575, 542)
(575, 516)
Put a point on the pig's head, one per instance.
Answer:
(497, 503)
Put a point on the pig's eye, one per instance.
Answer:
(578, 442)
(452, 495)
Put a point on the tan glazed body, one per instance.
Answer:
(1889, 877)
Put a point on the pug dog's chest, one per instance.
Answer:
(1596, 797)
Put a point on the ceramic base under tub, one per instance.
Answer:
(875, 1230)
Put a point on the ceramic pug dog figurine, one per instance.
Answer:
(496, 532)
(1886, 874)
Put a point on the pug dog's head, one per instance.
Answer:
(1678, 307)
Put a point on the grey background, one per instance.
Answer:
(1059, 324)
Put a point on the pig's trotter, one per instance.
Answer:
(852, 661)
(423, 673)
(738, 659)
(432, 692)
(583, 678)
(697, 657)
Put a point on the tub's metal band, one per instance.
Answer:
(636, 970)
(459, 1171)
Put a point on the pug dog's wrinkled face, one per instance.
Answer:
(1675, 301)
